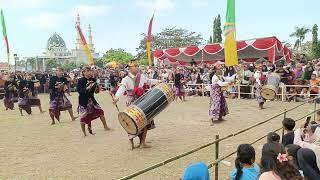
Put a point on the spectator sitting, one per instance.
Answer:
(288, 125)
(275, 165)
(246, 168)
(313, 85)
(304, 95)
(198, 171)
(273, 137)
(311, 139)
(292, 151)
(308, 164)
(291, 95)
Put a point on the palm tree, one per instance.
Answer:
(300, 34)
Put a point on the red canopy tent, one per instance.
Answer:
(249, 50)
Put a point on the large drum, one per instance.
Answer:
(139, 114)
(269, 91)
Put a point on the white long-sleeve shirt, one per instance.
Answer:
(216, 80)
(127, 83)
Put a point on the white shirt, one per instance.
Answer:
(216, 80)
(127, 83)
(257, 75)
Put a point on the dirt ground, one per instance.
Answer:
(30, 148)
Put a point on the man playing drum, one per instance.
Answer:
(132, 85)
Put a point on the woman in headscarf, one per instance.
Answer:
(197, 171)
(308, 164)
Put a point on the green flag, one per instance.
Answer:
(5, 36)
(230, 44)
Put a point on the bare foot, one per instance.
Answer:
(91, 132)
(53, 123)
(211, 124)
(42, 112)
(107, 129)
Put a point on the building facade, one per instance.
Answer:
(56, 50)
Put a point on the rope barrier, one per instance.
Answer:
(209, 144)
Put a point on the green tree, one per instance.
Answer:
(300, 35)
(99, 62)
(52, 63)
(210, 40)
(217, 32)
(169, 38)
(315, 42)
(69, 66)
(118, 55)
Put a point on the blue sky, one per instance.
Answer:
(120, 23)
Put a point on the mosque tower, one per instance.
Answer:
(90, 44)
(78, 39)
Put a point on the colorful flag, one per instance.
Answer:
(149, 41)
(230, 44)
(5, 36)
(84, 42)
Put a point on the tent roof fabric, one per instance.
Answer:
(249, 50)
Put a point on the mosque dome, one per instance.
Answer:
(54, 42)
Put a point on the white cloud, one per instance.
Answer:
(45, 20)
(156, 4)
(16, 4)
(91, 10)
(199, 3)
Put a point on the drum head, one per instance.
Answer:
(127, 123)
(268, 93)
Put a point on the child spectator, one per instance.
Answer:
(308, 164)
(313, 85)
(198, 171)
(246, 168)
(275, 165)
(288, 125)
(291, 95)
(273, 137)
(304, 95)
(292, 155)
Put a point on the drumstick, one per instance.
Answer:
(113, 100)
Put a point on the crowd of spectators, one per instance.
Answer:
(301, 78)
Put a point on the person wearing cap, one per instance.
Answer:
(58, 100)
(132, 85)
(89, 108)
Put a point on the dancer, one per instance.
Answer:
(179, 85)
(58, 100)
(218, 107)
(88, 106)
(260, 79)
(27, 96)
(132, 84)
(10, 88)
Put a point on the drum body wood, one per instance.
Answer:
(139, 114)
(269, 91)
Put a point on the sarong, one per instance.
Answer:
(180, 91)
(89, 113)
(59, 103)
(218, 105)
(258, 88)
(27, 102)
